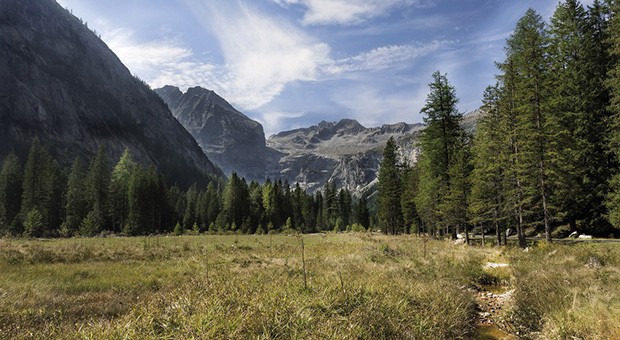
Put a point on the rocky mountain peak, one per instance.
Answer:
(228, 137)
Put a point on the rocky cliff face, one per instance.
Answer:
(60, 83)
(230, 139)
(345, 153)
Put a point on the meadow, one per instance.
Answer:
(344, 286)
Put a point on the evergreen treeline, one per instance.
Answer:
(545, 149)
(41, 199)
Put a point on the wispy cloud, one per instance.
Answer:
(382, 58)
(370, 105)
(261, 54)
(344, 12)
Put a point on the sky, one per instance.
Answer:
(294, 63)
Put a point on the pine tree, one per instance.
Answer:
(390, 191)
(10, 192)
(77, 200)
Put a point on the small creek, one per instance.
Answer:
(491, 299)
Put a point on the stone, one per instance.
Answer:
(585, 237)
(594, 262)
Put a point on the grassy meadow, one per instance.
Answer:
(356, 285)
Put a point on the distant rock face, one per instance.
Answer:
(345, 153)
(230, 139)
(60, 83)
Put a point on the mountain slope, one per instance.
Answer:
(229, 138)
(344, 152)
(60, 83)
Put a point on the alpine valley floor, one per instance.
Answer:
(358, 285)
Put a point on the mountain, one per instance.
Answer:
(60, 83)
(344, 152)
(230, 139)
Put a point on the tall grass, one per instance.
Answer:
(359, 286)
(567, 292)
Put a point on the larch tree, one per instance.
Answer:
(489, 150)
(119, 186)
(439, 143)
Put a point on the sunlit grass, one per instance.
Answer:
(359, 286)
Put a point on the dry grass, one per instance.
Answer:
(568, 292)
(359, 286)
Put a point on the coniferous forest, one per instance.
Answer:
(544, 154)
(41, 199)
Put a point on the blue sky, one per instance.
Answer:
(293, 63)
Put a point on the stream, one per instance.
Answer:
(491, 300)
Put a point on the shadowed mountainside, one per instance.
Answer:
(59, 82)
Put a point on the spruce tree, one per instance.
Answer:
(10, 192)
(613, 83)
(390, 191)
(98, 185)
(38, 185)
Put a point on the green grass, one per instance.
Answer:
(359, 286)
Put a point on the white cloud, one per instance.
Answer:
(261, 54)
(344, 12)
(383, 58)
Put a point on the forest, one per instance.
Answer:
(544, 155)
(41, 199)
